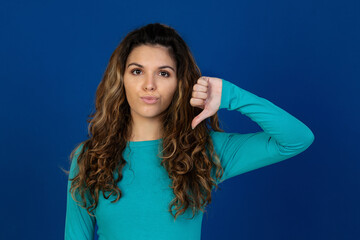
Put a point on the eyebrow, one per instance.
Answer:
(161, 67)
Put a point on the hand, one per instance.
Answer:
(207, 96)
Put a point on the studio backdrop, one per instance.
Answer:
(303, 56)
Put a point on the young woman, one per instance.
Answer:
(155, 150)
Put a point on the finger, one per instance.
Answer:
(197, 102)
(199, 118)
(200, 106)
(200, 88)
(203, 81)
(202, 95)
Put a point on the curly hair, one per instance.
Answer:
(187, 155)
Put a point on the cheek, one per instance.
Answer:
(170, 94)
(171, 89)
(129, 90)
(130, 98)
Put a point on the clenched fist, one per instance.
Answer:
(207, 96)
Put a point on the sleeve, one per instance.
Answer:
(283, 135)
(79, 224)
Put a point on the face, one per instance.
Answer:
(149, 71)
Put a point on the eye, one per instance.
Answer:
(166, 73)
(135, 70)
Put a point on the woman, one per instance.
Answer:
(155, 146)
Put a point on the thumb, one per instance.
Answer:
(203, 115)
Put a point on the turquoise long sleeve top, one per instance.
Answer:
(142, 212)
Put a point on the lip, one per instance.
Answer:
(150, 100)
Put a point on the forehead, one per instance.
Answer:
(146, 54)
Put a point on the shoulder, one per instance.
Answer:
(222, 137)
(219, 139)
(225, 141)
(74, 159)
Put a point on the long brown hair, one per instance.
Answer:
(188, 155)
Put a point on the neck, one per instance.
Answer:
(145, 129)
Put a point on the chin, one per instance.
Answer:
(145, 112)
(149, 114)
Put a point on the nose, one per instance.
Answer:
(149, 83)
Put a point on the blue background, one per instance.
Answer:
(301, 55)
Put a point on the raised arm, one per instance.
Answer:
(284, 136)
(79, 225)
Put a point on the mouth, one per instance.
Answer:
(150, 100)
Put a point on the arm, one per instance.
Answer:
(284, 136)
(79, 224)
